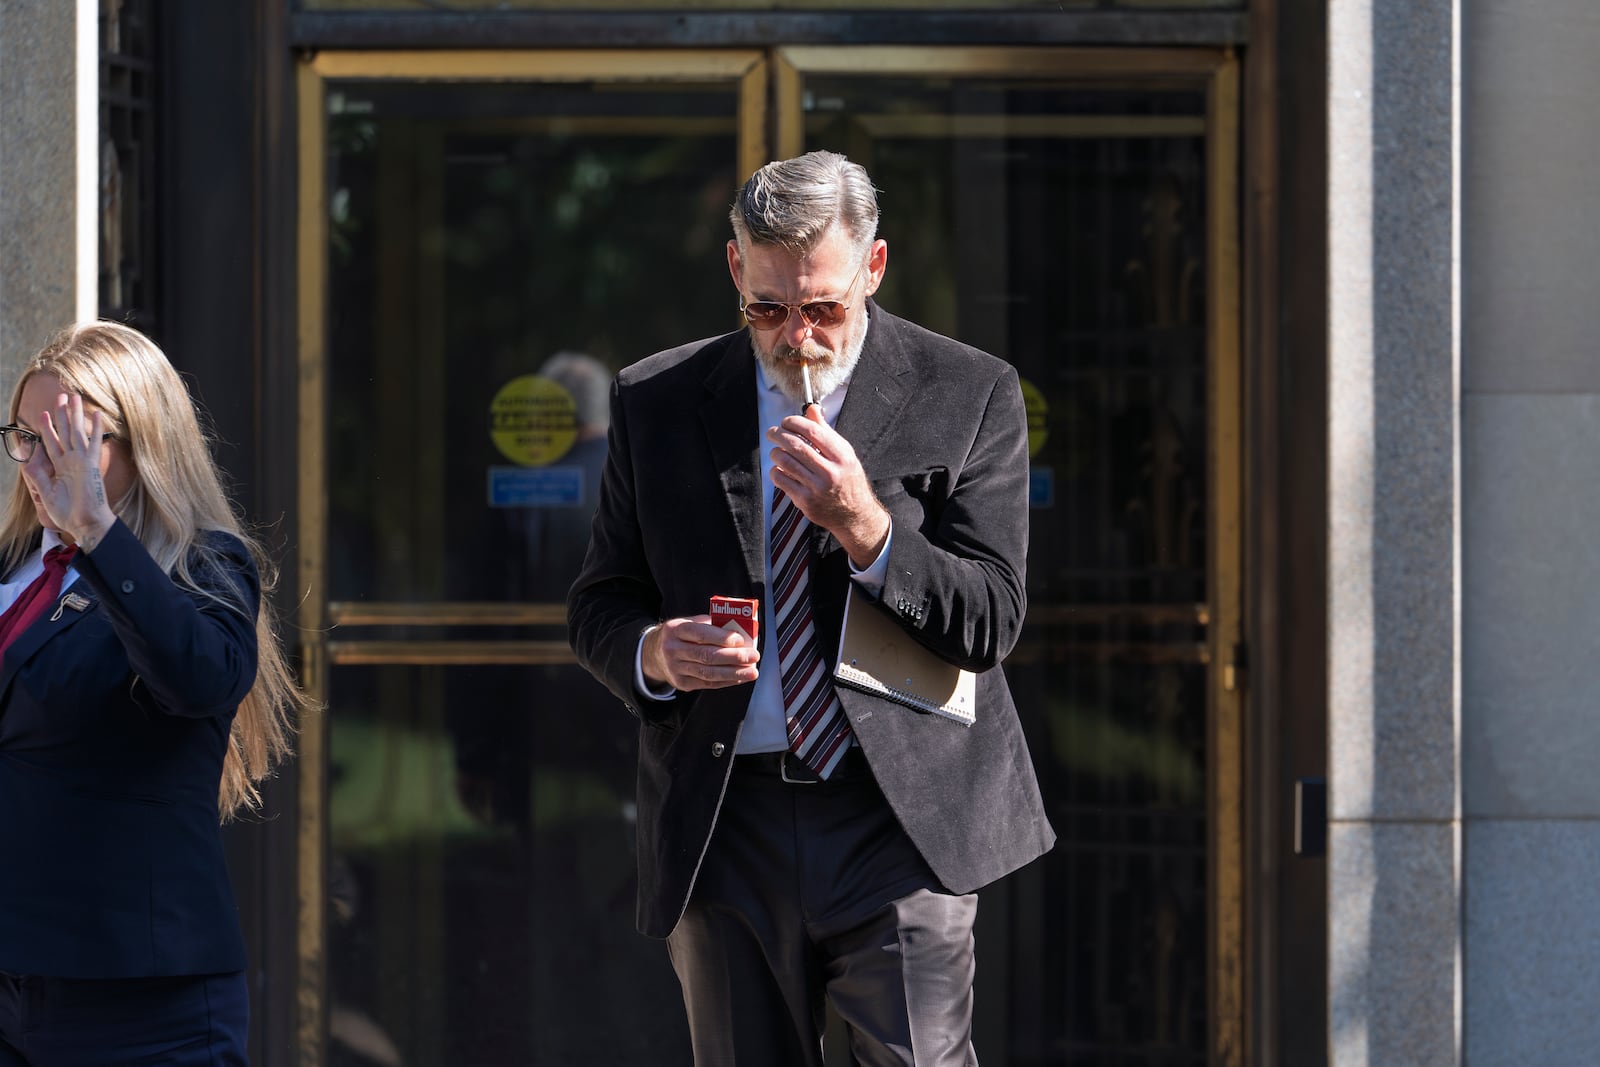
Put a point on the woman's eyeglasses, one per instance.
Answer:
(20, 443)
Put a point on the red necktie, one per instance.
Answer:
(40, 594)
(818, 729)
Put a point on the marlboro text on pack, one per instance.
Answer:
(736, 612)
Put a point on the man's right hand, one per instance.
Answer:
(690, 653)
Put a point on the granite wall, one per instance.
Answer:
(47, 210)
(1394, 849)
(1530, 487)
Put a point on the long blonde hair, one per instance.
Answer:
(176, 497)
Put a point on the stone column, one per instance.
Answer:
(49, 81)
(1394, 850)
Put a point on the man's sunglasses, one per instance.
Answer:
(818, 314)
(771, 314)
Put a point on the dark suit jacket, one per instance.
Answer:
(113, 725)
(941, 431)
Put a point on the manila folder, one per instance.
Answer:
(877, 656)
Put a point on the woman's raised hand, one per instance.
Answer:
(64, 472)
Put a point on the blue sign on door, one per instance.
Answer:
(535, 487)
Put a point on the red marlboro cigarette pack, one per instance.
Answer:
(737, 613)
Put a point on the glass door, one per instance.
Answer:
(485, 238)
(1073, 212)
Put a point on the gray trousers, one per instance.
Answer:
(811, 894)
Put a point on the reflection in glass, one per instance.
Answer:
(482, 874)
(478, 233)
(489, 246)
(1062, 229)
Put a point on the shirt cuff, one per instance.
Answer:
(871, 577)
(644, 688)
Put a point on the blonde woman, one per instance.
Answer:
(143, 693)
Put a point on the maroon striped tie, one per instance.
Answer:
(819, 733)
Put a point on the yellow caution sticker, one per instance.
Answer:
(533, 420)
(1038, 409)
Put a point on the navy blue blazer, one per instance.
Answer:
(115, 711)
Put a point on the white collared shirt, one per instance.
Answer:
(13, 586)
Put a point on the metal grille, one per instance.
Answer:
(128, 146)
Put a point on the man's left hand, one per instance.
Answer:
(819, 470)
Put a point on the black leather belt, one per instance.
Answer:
(788, 767)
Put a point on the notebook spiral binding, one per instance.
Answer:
(859, 679)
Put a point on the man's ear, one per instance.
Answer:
(734, 265)
(877, 263)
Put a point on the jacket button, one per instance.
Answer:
(127, 585)
(718, 748)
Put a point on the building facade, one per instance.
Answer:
(1297, 295)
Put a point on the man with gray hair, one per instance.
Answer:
(801, 842)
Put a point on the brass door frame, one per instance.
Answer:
(1213, 71)
(746, 71)
(1216, 73)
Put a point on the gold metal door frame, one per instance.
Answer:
(746, 71)
(1216, 73)
(1210, 70)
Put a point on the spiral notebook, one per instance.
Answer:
(877, 656)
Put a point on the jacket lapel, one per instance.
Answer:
(729, 418)
(880, 387)
(74, 603)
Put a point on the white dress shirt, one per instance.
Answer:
(13, 587)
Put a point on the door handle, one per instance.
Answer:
(1310, 816)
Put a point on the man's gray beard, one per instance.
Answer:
(827, 372)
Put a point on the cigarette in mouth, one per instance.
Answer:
(805, 376)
